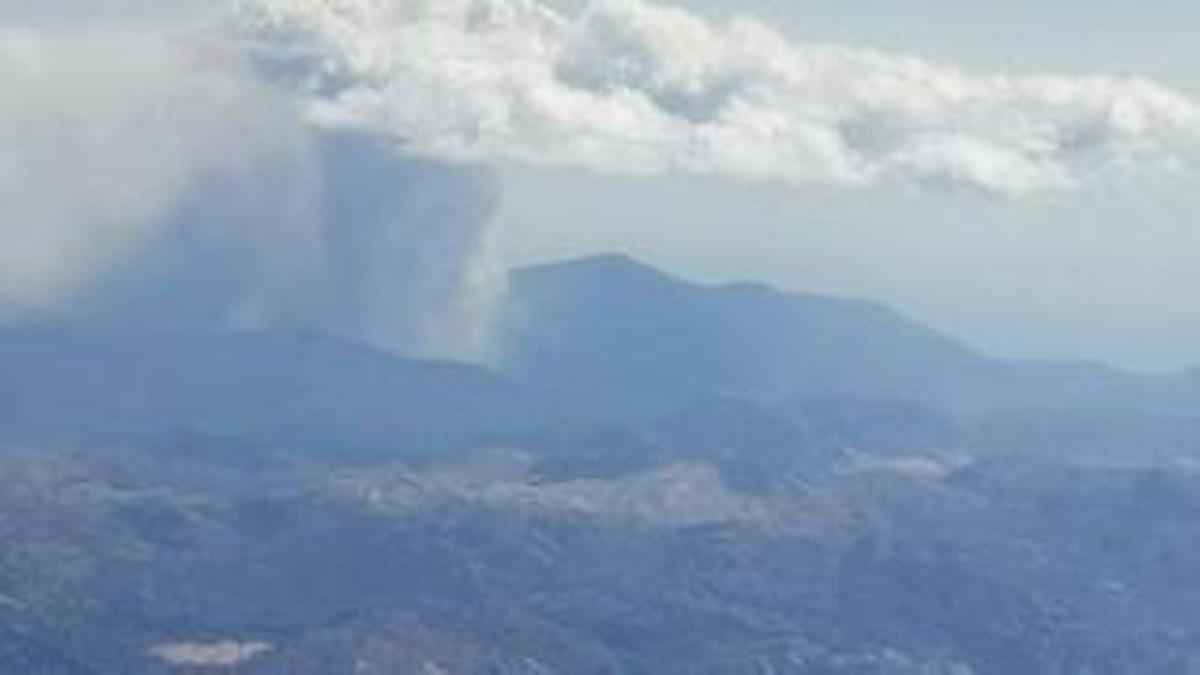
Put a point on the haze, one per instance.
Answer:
(1099, 272)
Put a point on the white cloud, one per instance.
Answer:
(634, 87)
(151, 178)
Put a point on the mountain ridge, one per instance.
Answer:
(622, 325)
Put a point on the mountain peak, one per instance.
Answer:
(608, 267)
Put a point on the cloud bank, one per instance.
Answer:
(634, 87)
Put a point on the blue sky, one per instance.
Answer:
(1105, 272)
(1152, 37)
(89, 10)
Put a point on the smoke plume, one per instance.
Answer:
(324, 165)
(163, 184)
(102, 136)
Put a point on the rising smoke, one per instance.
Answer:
(323, 165)
(151, 184)
(102, 136)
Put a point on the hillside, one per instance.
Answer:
(632, 336)
(666, 478)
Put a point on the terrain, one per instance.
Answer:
(650, 476)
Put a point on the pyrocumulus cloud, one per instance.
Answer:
(635, 87)
(325, 164)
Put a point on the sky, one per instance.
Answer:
(1104, 271)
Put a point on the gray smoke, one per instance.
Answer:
(405, 242)
(154, 184)
(323, 165)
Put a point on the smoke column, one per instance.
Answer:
(153, 184)
(323, 164)
(405, 242)
(111, 146)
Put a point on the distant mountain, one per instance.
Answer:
(670, 478)
(604, 358)
(631, 337)
(298, 391)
